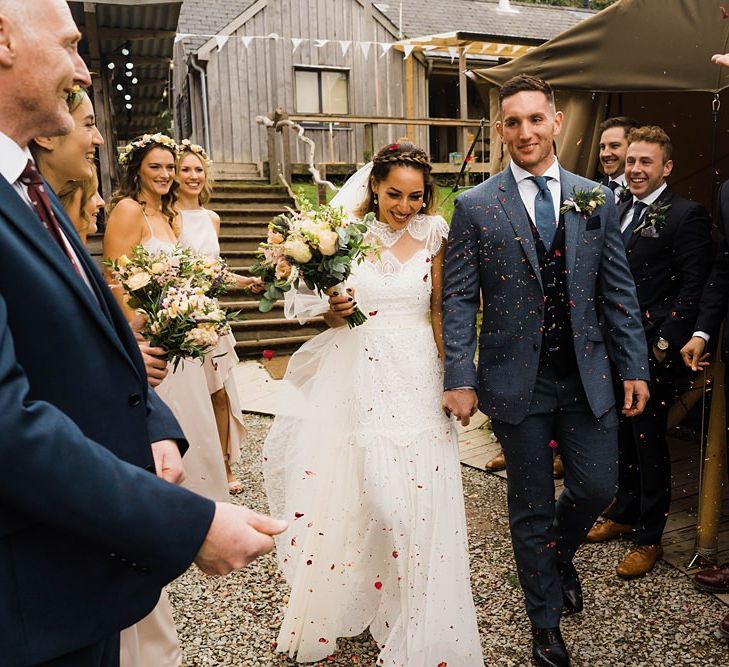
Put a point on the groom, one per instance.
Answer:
(559, 304)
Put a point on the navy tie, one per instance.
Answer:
(544, 211)
(638, 209)
(613, 185)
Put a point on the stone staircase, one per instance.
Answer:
(245, 209)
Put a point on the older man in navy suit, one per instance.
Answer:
(559, 303)
(88, 534)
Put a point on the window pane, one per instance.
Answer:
(307, 92)
(334, 92)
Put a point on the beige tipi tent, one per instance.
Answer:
(650, 59)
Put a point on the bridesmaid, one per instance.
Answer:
(82, 201)
(200, 228)
(143, 212)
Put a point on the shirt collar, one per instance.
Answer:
(652, 196)
(522, 174)
(620, 180)
(13, 159)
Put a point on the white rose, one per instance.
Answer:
(157, 268)
(328, 242)
(138, 280)
(297, 250)
(592, 203)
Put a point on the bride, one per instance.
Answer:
(362, 460)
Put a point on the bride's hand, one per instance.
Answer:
(341, 305)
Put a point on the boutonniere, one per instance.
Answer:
(653, 221)
(584, 201)
(625, 195)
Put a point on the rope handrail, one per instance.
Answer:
(315, 173)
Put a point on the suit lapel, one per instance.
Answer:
(663, 199)
(19, 215)
(513, 206)
(572, 221)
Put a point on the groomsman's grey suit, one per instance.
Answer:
(552, 322)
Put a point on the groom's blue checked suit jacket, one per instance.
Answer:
(491, 255)
(88, 535)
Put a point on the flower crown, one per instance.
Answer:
(187, 146)
(126, 153)
(77, 92)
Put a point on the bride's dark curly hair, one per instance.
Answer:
(130, 185)
(402, 154)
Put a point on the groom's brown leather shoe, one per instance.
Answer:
(609, 530)
(497, 463)
(639, 561)
(713, 580)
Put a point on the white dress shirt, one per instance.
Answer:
(13, 160)
(628, 217)
(528, 189)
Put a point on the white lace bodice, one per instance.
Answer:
(399, 283)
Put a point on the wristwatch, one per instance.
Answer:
(662, 344)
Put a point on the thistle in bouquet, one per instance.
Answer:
(318, 246)
(174, 294)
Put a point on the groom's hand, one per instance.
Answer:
(636, 396)
(237, 536)
(461, 403)
(168, 461)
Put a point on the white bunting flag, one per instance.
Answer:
(246, 39)
(296, 43)
(365, 48)
(272, 35)
(221, 41)
(385, 48)
(181, 35)
(408, 50)
(318, 43)
(344, 45)
(453, 52)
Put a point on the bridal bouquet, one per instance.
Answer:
(176, 294)
(317, 246)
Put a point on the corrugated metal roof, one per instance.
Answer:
(150, 56)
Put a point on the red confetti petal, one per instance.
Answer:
(309, 562)
(443, 664)
(378, 585)
(395, 554)
(268, 354)
(372, 313)
(298, 515)
(323, 640)
(293, 541)
(553, 444)
(724, 13)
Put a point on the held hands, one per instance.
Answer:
(636, 397)
(237, 536)
(461, 403)
(168, 461)
(693, 353)
(252, 285)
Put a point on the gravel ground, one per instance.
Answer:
(659, 620)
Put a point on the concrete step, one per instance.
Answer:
(250, 311)
(250, 196)
(263, 207)
(230, 242)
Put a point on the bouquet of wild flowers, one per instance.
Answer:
(319, 246)
(176, 295)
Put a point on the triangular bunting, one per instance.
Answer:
(221, 41)
(365, 48)
(181, 35)
(296, 43)
(318, 43)
(408, 48)
(385, 46)
(246, 40)
(272, 35)
(344, 45)
(453, 53)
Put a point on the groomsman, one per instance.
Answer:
(613, 146)
(547, 275)
(668, 244)
(89, 534)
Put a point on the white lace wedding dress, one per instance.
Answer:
(364, 465)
